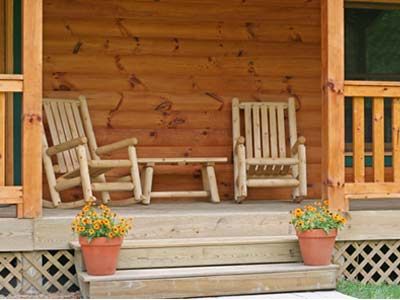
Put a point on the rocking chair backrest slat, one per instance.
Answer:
(292, 121)
(68, 132)
(249, 131)
(54, 135)
(256, 131)
(64, 121)
(281, 131)
(265, 129)
(273, 131)
(79, 125)
(88, 127)
(61, 134)
(71, 120)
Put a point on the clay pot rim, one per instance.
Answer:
(316, 233)
(100, 241)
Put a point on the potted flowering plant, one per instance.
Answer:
(100, 235)
(316, 227)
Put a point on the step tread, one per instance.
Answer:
(162, 273)
(204, 241)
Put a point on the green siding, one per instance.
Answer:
(17, 96)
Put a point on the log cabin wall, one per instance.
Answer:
(166, 71)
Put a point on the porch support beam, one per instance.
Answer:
(333, 172)
(32, 107)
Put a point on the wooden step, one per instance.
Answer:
(209, 281)
(173, 220)
(138, 254)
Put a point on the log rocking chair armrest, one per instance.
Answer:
(66, 146)
(116, 146)
(301, 141)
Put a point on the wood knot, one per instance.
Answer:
(32, 118)
(334, 87)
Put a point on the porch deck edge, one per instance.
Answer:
(53, 233)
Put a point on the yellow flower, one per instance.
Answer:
(115, 230)
(298, 212)
(311, 208)
(91, 231)
(86, 208)
(110, 235)
(337, 218)
(326, 202)
(96, 226)
(106, 222)
(81, 228)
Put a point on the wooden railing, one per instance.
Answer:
(28, 197)
(8, 194)
(380, 186)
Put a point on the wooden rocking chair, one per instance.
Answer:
(260, 156)
(78, 157)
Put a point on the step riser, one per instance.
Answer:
(214, 285)
(211, 225)
(192, 225)
(159, 257)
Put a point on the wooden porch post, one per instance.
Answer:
(333, 169)
(32, 108)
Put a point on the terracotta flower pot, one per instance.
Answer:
(316, 246)
(100, 254)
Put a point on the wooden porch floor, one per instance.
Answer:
(173, 207)
(369, 220)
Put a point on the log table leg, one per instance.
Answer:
(147, 183)
(137, 191)
(204, 177)
(212, 183)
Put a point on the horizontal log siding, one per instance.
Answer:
(166, 71)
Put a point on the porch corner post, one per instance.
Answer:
(32, 41)
(333, 168)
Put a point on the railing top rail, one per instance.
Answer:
(11, 82)
(372, 83)
(11, 77)
(372, 89)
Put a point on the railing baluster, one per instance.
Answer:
(358, 139)
(396, 139)
(378, 143)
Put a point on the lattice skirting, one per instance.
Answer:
(39, 272)
(369, 261)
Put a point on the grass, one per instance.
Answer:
(369, 291)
